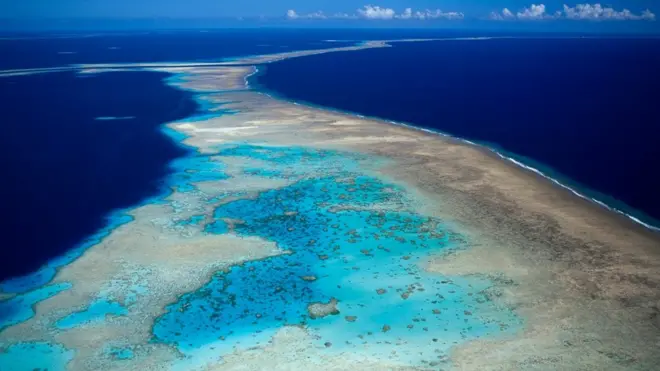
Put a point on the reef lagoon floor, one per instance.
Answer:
(301, 238)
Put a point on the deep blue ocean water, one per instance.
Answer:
(76, 148)
(48, 50)
(584, 108)
(40, 50)
(64, 170)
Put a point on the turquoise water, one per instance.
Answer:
(97, 311)
(44, 275)
(193, 220)
(185, 172)
(121, 354)
(348, 237)
(193, 169)
(21, 308)
(483, 103)
(346, 245)
(35, 356)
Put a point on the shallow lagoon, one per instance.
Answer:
(348, 238)
(35, 356)
(351, 239)
(549, 116)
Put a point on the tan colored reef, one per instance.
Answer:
(585, 281)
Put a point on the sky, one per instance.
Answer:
(549, 14)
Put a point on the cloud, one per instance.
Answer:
(533, 12)
(291, 14)
(372, 12)
(579, 12)
(316, 15)
(505, 14)
(344, 16)
(444, 15)
(376, 12)
(407, 14)
(429, 14)
(598, 12)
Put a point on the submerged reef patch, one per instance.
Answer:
(21, 307)
(348, 271)
(35, 356)
(96, 312)
(364, 254)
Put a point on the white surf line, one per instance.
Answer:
(32, 71)
(254, 72)
(480, 146)
(102, 66)
(575, 192)
(150, 65)
(246, 60)
(365, 45)
(255, 60)
(236, 61)
(529, 168)
(514, 161)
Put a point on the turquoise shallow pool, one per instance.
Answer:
(35, 356)
(352, 239)
(353, 244)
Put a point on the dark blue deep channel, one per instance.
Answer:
(583, 110)
(73, 149)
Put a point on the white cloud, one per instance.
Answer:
(316, 15)
(291, 14)
(429, 14)
(648, 15)
(495, 16)
(376, 12)
(598, 12)
(579, 12)
(407, 14)
(504, 15)
(533, 12)
(372, 12)
(344, 16)
(436, 14)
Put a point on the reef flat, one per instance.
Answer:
(298, 238)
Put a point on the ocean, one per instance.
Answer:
(62, 49)
(76, 148)
(581, 110)
(83, 152)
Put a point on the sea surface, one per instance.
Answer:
(77, 148)
(62, 49)
(81, 150)
(582, 110)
